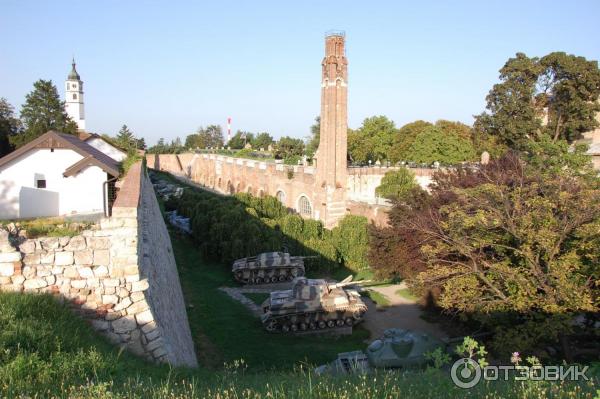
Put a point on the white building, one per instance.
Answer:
(55, 174)
(101, 144)
(74, 98)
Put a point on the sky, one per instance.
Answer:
(165, 68)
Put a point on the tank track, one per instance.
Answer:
(320, 320)
(266, 275)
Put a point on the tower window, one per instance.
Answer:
(40, 183)
(74, 96)
(280, 196)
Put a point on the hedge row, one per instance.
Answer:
(228, 228)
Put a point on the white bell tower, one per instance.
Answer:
(74, 98)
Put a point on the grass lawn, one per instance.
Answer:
(380, 300)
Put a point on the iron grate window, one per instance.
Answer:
(304, 206)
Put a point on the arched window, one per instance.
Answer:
(74, 96)
(280, 196)
(304, 206)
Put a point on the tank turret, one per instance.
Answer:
(268, 267)
(313, 304)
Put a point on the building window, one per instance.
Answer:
(304, 206)
(280, 196)
(40, 183)
(74, 96)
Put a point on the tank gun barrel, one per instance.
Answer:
(347, 283)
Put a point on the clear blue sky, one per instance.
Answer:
(165, 68)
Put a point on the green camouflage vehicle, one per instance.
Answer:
(396, 349)
(268, 267)
(313, 304)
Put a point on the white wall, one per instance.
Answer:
(106, 148)
(19, 198)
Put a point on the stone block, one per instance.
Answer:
(47, 258)
(5, 280)
(149, 327)
(9, 257)
(141, 285)
(110, 316)
(49, 243)
(43, 271)
(101, 257)
(131, 270)
(123, 304)
(98, 242)
(144, 317)
(137, 307)
(124, 261)
(71, 272)
(85, 272)
(84, 257)
(50, 280)
(101, 271)
(18, 280)
(7, 269)
(115, 272)
(110, 282)
(63, 241)
(78, 284)
(123, 293)
(108, 299)
(57, 270)
(152, 335)
(132, 278)
(35, 283)
(110, 290)
(93, 282)
(100, 325)
(32, 259)
(76, 244)
(159, 354)
(124, 325)
(63, 258)
(27, 247)
(137, 296)
(157, 343)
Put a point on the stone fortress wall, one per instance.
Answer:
(121, 275)
(229, 175)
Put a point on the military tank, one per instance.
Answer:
(396, 349)
(268, 267)
(313, 304)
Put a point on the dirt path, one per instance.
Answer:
(402, 313)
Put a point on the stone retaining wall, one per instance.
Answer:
(106, 274)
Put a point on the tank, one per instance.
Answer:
(396, 349)
(268, 267)
(313, 304)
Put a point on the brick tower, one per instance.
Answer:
(332, 156)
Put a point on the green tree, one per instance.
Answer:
(126, 139)
(141, 144)
(553, 96)
(434, 145)
(570, 87)
(239, 140)
(396, 184)
(43, 111)
(312, 144)
(212, 137)
(9, 126)
(377, 133)
(288, 147)
(262, 140)
(404, 138)
(512, 244)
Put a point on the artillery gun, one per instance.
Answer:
(268, 267)
(313, 304)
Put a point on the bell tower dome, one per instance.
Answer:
(74, 98)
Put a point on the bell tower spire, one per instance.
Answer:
(74, 97)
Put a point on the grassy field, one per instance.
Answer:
(406, 294)
(48, 352)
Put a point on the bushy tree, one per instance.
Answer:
(373, 140)
(43, 110)
(262, 140)
(396, 184)
(433, 144)
(239, 140)
(9, 126)
(288, 147)
(404, 138)
(126, 139)
(511, 244)
(212, 137)
(556, 96)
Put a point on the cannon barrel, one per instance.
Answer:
(347, 283)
